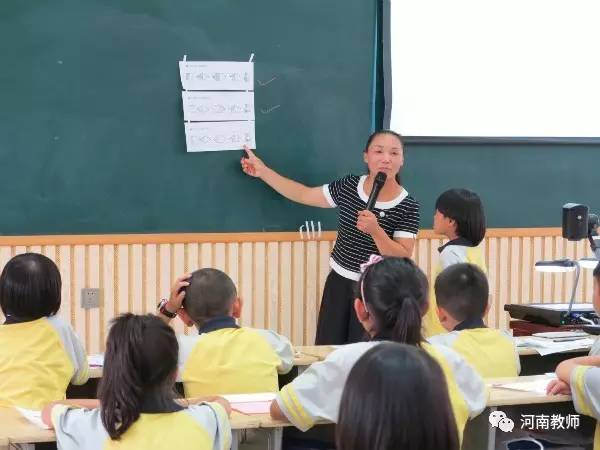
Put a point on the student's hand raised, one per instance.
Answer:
(367, 222)
(178, 292)
(251, 164)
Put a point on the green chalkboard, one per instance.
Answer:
(521, 185)
(91, 124)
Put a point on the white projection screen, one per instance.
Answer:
(496, 69)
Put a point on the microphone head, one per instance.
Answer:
(380, 178)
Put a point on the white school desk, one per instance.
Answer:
(308, 354)
(301, 360)
(17, 430)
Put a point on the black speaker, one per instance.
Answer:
(575, 221)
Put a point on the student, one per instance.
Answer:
(462, 294)
(459, 216)
(595, 350)
(580, 377)
(135, 403)
(223, 358)
(391, 299)
(390, 390)
(389, 230)
(40, 353)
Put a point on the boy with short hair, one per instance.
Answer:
(223, 358)
(462, 302)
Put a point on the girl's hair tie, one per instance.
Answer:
(373, 259)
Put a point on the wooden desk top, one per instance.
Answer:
(506, 397)
(318, 351)
(300, 359)
(15, 429)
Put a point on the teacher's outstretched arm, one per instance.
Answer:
(297, 192)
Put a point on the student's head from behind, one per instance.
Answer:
(140, 364)
(461, 292)
(391, 299)
(30, 287)
(396, 397)
(211, 294)
(384, 152)
(460, 212)
(596, 298)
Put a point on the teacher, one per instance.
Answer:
(390, 229)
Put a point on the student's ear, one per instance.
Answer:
(185, 318)
(361, 312)
(236, 309)
(442, 314)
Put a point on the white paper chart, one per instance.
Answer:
(206, 106)
(218, 105)
(215, 136)
(216, 75)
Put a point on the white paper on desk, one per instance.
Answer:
(96, 360)
(215, 136)
(547, 346)
(537, 386)
(34, 416)
(250, 398)
(216, 75)
(209, 106)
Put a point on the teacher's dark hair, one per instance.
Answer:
(30, 287)
(396, 397)
(396, 295)
(391, 133)
(140, 360)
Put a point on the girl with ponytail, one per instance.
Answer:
(391, 299)
(136, 403)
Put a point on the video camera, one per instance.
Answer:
(578, 224)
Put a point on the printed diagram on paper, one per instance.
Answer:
(218, 105)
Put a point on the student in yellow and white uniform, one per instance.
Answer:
(135, 407)
(377, 412)
(391, 300)
(462, 293)
(40, 353)
(223, 357)
(580, 377)
(459, 217)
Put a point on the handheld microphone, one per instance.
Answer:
(377, 185)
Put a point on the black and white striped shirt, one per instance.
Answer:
(399, 218)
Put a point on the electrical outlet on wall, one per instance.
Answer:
(90, 298)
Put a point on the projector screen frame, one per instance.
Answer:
(385, 33)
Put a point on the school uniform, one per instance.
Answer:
(490, 352)
(225, 358)
(38, 360)
(585, 389)
(198, 427)
(316, 394)
(456, 251)
(399, 218)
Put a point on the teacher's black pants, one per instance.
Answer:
(337, 323)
